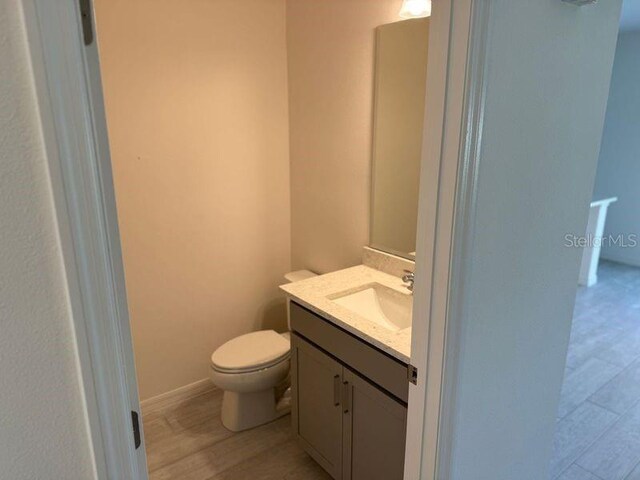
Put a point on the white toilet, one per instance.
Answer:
(249, 368)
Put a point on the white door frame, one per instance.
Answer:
(71, 105)
(68, 86)
(453, 134)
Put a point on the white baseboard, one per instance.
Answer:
(178, 395)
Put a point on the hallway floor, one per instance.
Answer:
(598, 429)
(186, 440)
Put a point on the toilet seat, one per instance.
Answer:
(251, 352)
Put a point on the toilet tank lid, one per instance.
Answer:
(299, 275)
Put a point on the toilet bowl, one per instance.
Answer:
(253, 372)
(248, 368)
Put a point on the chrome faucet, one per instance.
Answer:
(409, 278)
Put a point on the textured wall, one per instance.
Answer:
(619, 164)
(196, 102)
(43, 432)
(331, 64)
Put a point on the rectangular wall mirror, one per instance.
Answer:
(399, 100)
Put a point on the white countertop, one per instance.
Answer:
(313, 292)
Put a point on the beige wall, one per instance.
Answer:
(196, 97)
(43, 429)
(331, 62)
(198, 118)
(401, 82)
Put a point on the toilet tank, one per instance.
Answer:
(296, 277)
(299, 275)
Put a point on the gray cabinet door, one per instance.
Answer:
(374, 431)
(316, 404)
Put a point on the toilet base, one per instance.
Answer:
(242, 411)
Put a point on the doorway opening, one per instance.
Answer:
(248, 140)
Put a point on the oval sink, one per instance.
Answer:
(382, 305)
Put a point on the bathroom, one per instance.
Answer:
(253, 141)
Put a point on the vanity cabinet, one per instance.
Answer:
(317, 392)
(353, 427)
(374, 429)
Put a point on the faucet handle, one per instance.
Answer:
(409, 278)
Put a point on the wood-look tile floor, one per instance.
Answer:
(598, 428)
(186, 440)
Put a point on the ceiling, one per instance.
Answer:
(630, 19)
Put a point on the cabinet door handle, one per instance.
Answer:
(336, 390)
(346, 397)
